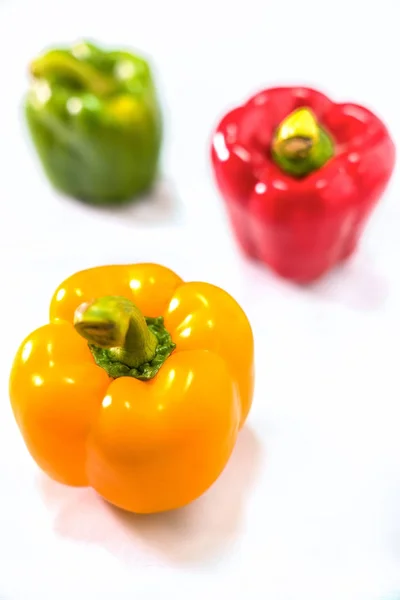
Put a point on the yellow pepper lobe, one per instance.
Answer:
(297, 135)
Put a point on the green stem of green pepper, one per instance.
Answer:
(58, 63)
(300, 145)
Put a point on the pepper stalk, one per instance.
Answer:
(123, 342)
(59, 63)
(300, 145)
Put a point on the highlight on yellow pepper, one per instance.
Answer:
(137, 387)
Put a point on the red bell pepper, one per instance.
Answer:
(300, 175)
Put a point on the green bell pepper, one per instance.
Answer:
(95, 122)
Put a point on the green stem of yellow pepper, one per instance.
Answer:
(58, 63)
(114, 322)
(123, 342)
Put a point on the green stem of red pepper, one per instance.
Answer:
(122, 341)
(300, 145)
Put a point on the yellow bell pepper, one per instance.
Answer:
(146, 410)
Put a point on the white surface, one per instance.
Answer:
(309, 506)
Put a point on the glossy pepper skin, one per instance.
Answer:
(95, 122)
(300, 227)
(144, 446)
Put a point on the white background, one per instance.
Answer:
(309, 505)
